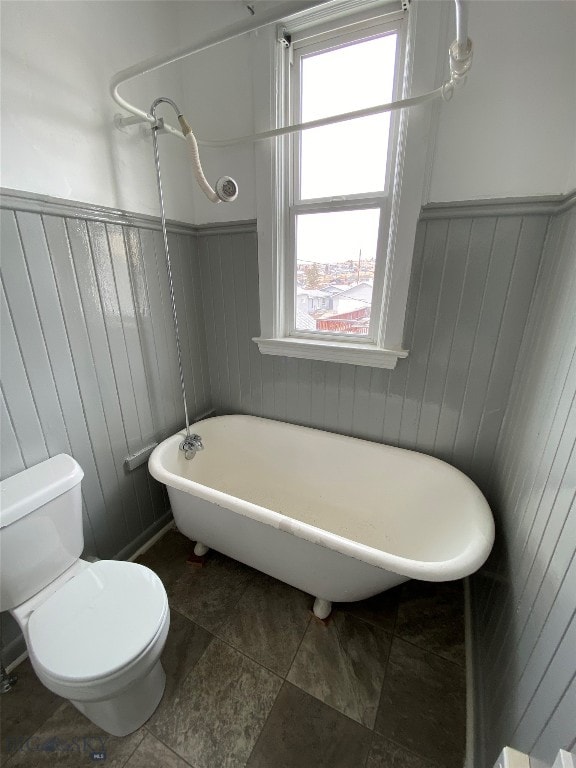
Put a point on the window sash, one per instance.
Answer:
(380, 203)
(290, 163)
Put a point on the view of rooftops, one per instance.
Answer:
(334, 283)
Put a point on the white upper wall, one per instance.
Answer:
(218, 101)
(509, 132)
(57, 133)
(218, 98)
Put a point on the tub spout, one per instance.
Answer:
(191, 445)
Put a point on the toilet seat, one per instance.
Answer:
(98, 625)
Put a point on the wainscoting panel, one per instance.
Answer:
(88, 356)
(89, 362)
(89, 367)
(524, 604)
(469, 298)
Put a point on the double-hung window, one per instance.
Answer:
(338, 286)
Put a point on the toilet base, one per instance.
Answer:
(126, 712)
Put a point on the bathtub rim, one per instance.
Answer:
(464, 564)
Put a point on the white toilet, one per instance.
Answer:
(94, 631)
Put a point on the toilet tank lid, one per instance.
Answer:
(36, 486)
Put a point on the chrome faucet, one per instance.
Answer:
(191, 445)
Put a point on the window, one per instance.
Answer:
(334, 245)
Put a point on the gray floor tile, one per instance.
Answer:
(216, 714)
(185, 645)
(269, 623)
(302, 732)
(218, 703)
(423, 705)
(24, 709)
(68, 740)
(168, 557)
(151, 753)
(380, 610)
(343, 664)
(207, 595)
(432, 616)
(386, 754)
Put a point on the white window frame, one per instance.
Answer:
(420, 43)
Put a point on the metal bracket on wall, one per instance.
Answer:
(138, 458)
(284, 38)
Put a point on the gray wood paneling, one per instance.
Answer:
(469, 299)
(88, 359)
(87, 336)
(491, 329)
(524, 605)
(89, 367)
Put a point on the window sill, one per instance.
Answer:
(332, 352)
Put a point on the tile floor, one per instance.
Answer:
(254, 680)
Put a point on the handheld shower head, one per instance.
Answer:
(226, 189)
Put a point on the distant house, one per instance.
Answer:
(304, 322)
(338, 308)
(335, 288)
(312, 300)
(351, 299)
(356, 321)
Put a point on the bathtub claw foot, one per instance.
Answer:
(198, 555)
(322, 608)
(200, 549)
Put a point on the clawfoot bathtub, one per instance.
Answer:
(340, 518)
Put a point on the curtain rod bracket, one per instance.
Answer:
(147, 124)
(284, 38)
(121, 122)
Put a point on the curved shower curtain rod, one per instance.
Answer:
(460, 61)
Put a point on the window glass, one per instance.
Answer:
(335, 261)
(350, 157)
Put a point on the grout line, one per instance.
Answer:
(131, 755)
(370, 747)
(243, 653)
(265, 723)
(157, 738)
(264, 666)
(432, 653)
(192, 621)
(330, 706)
(371, 730)
(297, 651)
(384, 678)
(432, 763)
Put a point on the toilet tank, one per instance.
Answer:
(40, 527)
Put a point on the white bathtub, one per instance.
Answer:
(340, 518)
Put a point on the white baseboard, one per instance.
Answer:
(470, 694)
(151, 541)
(16, 662)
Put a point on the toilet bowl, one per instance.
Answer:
(94, 630)
(97, 642)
